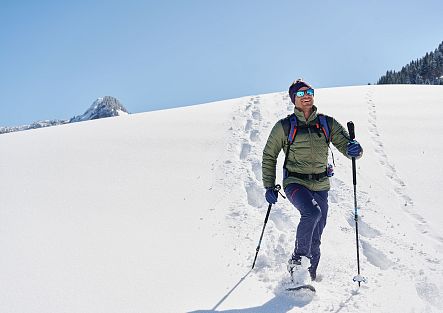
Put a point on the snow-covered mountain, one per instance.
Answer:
(162, 211)
(34, 125)
(102, 107)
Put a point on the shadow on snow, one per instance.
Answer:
(282, 302)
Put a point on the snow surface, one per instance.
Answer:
(162, 211)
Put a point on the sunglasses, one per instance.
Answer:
(301, 93)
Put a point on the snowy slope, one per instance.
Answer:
(162, 211)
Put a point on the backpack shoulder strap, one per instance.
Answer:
(286, 125)
(324, 124)
(325, 121)
(290, 124)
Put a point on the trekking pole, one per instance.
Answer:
(357, 278)
(276, 188)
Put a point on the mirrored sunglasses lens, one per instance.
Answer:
(300, 93)
(310, 92)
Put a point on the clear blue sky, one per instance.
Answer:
(57, 57)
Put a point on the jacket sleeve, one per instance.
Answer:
(274, 145)
(340, 138)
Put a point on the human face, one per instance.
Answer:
(305, 102)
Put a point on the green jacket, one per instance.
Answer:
(308, 153)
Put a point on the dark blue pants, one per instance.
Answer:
(313, 208)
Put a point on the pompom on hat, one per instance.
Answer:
(296, 85)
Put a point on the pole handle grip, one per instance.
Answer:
(351, 130)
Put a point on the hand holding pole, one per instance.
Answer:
(276, 188)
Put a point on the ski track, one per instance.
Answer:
(249, 130)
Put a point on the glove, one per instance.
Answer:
(354, 149)
(271, 195)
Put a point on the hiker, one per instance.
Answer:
(305, 171)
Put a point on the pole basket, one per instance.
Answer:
(360, 279)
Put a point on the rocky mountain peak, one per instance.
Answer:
(106, 106)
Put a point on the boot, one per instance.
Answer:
(293, 262)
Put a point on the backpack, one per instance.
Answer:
(291, 126)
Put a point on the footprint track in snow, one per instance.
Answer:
(426, 290)
(279, 232)
(399, 186)
(245, 150)
(375, 256)
(248, 149)
(254, 135)
(248, 125)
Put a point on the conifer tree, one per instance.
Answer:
(427, 70)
